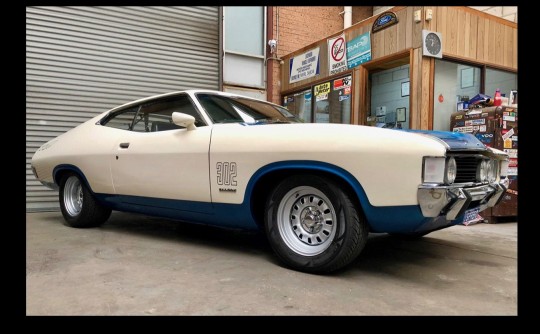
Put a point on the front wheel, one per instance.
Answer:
(312, 224)
(78, 205)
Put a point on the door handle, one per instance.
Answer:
(124, 145)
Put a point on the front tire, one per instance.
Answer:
(313, 226)
(78, 205)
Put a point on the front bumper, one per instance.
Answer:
(452, 201)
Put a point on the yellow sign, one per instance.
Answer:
(322, 89)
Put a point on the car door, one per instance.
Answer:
(158, 163)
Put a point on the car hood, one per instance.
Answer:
(455, 140)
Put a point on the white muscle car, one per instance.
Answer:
(227, 160)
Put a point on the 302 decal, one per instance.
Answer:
(226, 173)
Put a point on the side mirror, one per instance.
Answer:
(184, 120)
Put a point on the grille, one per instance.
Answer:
(466, 168)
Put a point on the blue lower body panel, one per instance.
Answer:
(389, 219)
(217, 214)
(403, 219)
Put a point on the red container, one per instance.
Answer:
(497, 101)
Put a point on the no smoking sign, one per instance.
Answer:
(337, 56)
(338, 49)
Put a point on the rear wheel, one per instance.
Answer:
(312, 224)
(78, 205)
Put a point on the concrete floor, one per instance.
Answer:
(136, 265)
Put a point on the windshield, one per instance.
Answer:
(226, 109)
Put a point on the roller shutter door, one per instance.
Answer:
(82, 61)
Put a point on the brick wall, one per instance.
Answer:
(360, 13)
(302, 25)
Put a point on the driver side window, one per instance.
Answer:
(157, 115)
(154, 115)
(121, 120)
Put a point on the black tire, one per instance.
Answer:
(316, 251)
(86, 212)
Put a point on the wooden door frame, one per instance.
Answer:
(364, 96)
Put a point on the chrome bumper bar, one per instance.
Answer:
(453, 201)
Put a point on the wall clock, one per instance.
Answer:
(432, 44)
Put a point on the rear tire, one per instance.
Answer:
(313, 226)
(78, 205)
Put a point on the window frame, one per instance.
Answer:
(109, 116)
(262, 57)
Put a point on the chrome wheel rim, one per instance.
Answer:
(306, 221)
(73, 196)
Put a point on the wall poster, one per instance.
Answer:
(359, 50)
(304, 66)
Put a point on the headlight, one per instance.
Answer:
(434, 169)
(451, 171)
(492, 170)
(482, 171)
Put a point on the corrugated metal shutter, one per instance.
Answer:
(82, 61)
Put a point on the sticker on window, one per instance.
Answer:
(321, 91)
(342, 83)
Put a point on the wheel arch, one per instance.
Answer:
(61, 170)
(267, 177)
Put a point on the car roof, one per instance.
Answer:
(189, 91)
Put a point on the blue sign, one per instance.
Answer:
(384, 20)
(359, 50)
